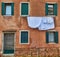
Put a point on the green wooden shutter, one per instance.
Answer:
(24, 37)
(47, 37)
(56, 37)
(3, 8)
(46, 8)
(8, 51)
(55, 9)
(12, 8)
(24, 9)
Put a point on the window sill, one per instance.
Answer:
(52, 43)
(8, 54)
(8, 15)
(24, 43)
(24, 15)
(51, 15)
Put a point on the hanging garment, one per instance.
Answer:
(49, 20)
(46, 23)
(34, 22)
(42, 23)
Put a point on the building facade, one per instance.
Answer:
(16, 35)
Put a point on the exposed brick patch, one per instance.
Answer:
(43, 52)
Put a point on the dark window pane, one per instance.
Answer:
(24, 37)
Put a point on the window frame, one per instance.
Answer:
(6, 4)
(54, 14)
(50, 10)
(3, 41)
(12, 12)
(53, 38)
(20, 36)
(28, 9)
(53, 31)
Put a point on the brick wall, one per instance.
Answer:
(16, 22)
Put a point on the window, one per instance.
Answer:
(8, 9)
(24, 37)
(51, 9)
(51, 37)
(8, 44)
(24, 9)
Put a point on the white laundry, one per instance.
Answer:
(42, 23)
(50, 20)
(45, 20)
(46, 23)
(34, 22)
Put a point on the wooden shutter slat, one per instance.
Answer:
(56, 37)
(46, 8)
(12, 8)
(47, 39)
(3, 8)
(55, 9)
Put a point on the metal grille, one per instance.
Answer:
(9, 41)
